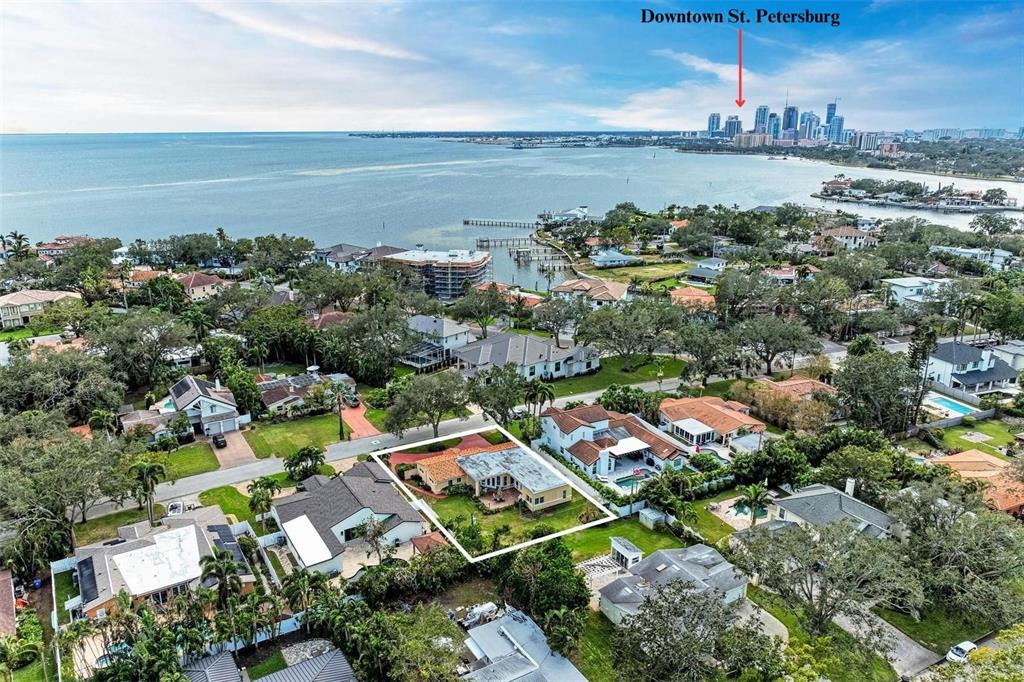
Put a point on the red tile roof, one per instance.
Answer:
(723, 416)
(429, 542)
(8, 615)
(191, 280)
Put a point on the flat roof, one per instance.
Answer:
(171, 559)
(693, 426)
(525, 467)
(303, 536)
(453, 256)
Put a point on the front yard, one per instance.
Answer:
(105, 527)
(938, 629)
(611, 372)
(281, 439)
(189, 460)
(231, 502)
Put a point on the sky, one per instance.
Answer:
(213, 65)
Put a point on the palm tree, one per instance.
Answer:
(124, 273)
(147, 475)
(268, 483)
(304, 462)
(15, 652)
(19, 244)
(659, 369)
(258, 351)
(545, 394)
(301, 587)
(336, 397)
(260, 501)
(103, 419)
(222, 567)
(754, 497)
(200, 322)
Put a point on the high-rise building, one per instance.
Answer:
(790, 118)
(761, 119)
(733, 126)
(774, 125)
(809, 122)
(835, 130)
(714, 123)
(830, 112)
(866, 142)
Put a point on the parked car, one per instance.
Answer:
(352, 400)
(219, 440)
(175, 508)
(959, 652)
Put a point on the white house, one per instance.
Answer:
(911, 290)
(713, 263)
(210, 408)
(440, 337)
(974, 370)
(846, 237)
(597, 292)
(533, 356)
(604, 443)
(1012, 353)
(613, 258)
(322, 522)
(997, 259)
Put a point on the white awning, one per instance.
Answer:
(628, 445)
(694, 427)
(306, 541)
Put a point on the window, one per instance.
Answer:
(558, 366)
(538, 500)
(782, 513)
(589, 363)
(565, 494)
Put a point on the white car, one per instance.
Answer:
(959, 652)
(175, 508)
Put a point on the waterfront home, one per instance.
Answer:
(693, 300)
(1012, 353)
(997, 259)
(597, 292)
(446, 275)
(605, 443)
(60, 246)
(1002, 491)
(613, 258)
(703, 568)
(325, 518)
(503, 473)
(963, 367)
(706, 420)
(845, 237)
(439, 338)
(820, 505)
(513, 295)
(514, 648)
(199, 286)
(341, 257)
(534, 357)
(153, 564)
(912, 291)
(18, 308)
(701, 275)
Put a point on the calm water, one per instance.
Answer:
(332, 187)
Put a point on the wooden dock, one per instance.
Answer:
(488, 242)
(490, 222)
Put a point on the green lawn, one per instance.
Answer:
(196, 458)
(231, 502)
(651, 272)
(715, 388)
(708, 525)
(64, 589)
(852, 667)
(468, 592)
(33, 672)
(284, 438)
(999, 432)
(24, 333)
(611, 373)
(593, 658)
(285, 368)
(592, 542)
(938, 629)
(376, 417)
(270, 665)
(494, 437)
(276, 563)
(526, 331)
(286, 481)
(560, 517)
(105, 527)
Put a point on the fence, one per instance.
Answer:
(962, 396)
(952, 421)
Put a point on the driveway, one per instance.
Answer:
(355, 417)
(908, 657)
(770, 625)
(236, 453)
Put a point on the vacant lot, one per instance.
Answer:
(611, 372)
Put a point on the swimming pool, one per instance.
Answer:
(740, 509)
(951, 405)
(626, 483)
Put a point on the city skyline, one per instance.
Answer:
(215, 66)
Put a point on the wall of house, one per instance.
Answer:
(551, 498)
(404, 532)
(611, 611)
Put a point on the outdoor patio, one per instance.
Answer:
(501, 499)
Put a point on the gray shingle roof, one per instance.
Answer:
(328, 501)
(219, 668)
(957, 353)
(999, 371)
(188, 389)
(522, 350)
(703, 273)
(329, 667)
(823, 504)
(436, 327)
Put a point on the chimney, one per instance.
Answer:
(216, 384)
(851, 483)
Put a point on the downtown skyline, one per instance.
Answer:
(216, 66)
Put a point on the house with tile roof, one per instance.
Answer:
(1002, 491)
(796, 387)
(706, 420)
(496, 469)
(791, 274)
(597, 292)
(845, 237)
(320, 521)
(702, 567)
(200, 286)
(967, 368)
(693, 300)
(329, 318)
(534, 357)
(513, 295)
(18, 308)
(607, 443)
(821, 505)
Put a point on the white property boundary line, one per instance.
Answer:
(425, 508)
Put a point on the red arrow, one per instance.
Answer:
(739, 100)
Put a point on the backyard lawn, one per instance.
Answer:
(592, 542)
(231, 502)
(999, 433)
(105, 527)
(560, 517)
(852, 666)
(938, 628)
(268, 666)
(196, 458)
(281, 439)
(708, 525)
(64, 589)
(593, 658)
(280, 368)
(611, 373)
